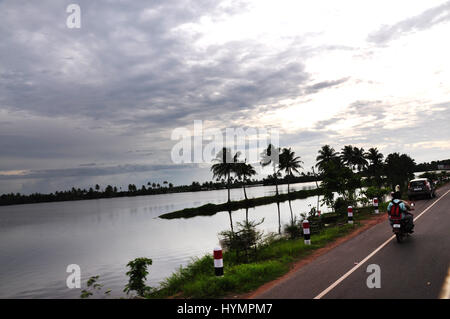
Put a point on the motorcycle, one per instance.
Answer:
(399, 226)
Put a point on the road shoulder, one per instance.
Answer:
(365, 225)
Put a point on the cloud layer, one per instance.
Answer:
(101, 101)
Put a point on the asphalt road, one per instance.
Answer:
(416, 268)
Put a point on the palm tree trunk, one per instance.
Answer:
(276, 181)
(228, 187)
(231, 221)
(245, 193)
(290, 207)
(279, 218)
(317, 186)
(288, 178)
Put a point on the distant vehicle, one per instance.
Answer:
(421, 187)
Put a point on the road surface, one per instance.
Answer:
(416, 268)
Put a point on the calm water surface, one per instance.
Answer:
(38, 241)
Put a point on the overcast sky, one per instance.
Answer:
(98, 104)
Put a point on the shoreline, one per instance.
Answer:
(278, 259)
(51, 197)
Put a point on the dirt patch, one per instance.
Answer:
(365, 224)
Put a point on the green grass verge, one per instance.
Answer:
(211, 209)
(274, 258)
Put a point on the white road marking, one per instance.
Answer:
(348, 273)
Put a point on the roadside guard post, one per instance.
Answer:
(218, 261)
(306, 232)
(375, 205)
(350, 214)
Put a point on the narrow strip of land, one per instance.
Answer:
(211, 209)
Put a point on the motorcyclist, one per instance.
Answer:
(404, 207)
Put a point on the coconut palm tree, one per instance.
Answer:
(326, 154)
(353, 157)
(271, 156)
(375, 168)
(289, 163)
(348, 156)
(359, 159)
(244, 171)
(224, 167)
(374, 156)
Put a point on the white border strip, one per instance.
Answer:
(348, 273)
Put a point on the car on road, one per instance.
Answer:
(421, 187)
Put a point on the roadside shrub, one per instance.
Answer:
(340, 205)
(375, 192)
(138, 274)
(245, 240)
(294, 229)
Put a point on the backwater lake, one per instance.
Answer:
(39, 241)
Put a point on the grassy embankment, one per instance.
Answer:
(211, 209)
(275, 256)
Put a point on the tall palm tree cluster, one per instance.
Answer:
(395, 168)
(342, 172)
(342, 169)
(227, 165)
(351, 156)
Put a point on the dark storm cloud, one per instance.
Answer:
(323, 124)
(324, 85)
(129, 74)
(423, 21)
(128, 65)
(111, 92)
(128, 77)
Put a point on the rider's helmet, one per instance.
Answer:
(396, 195)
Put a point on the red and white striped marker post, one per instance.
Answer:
(375, 205)
(218, 261)
(306, 232)
(350, 214)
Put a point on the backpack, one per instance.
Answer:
(395, 212)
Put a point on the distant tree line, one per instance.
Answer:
(432, 166)
(338, 171)
(111, 191)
